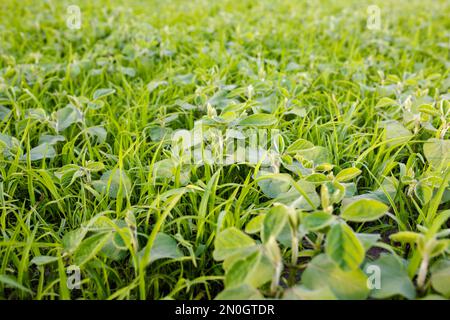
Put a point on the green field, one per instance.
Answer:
(224, 149)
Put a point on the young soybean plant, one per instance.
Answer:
(251, 265)
(429, 243)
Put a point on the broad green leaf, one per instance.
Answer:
(9, 145)
(67, 116)
(152, 86)
(396, 133)
(386, 102)
(336, 191)
(184, 79)
(41, 260)
(274, 222)
(231, 241)
(254, 270)
(433, 297)
(428, 109)
(298, 145)
(51, 140)
(36, 113)
(255, 225)
(437, 152)
(300, 292)
(131, 72)
(11, 282)
(393, 276)
(94, 166)
(42, 151)
(319, 155)
(115, 247)
(101, 93)
(4, 113)
(164, 169)
(363, 210)
(72, 239)
(242, 292)
(258, 120)
(317, 220)
(405, 237)
(294, 199)
(272, 187)
(7, 140)
(90, 247)
(345, 285)
(343, 247)
(97, 132)
(347, 174)
(368, 240)
(163, 247)
(440, 277)
(111, 182)
(317, 178)
(423, 192)
(68, 174)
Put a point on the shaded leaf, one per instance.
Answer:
(343, 247)
(363, 210)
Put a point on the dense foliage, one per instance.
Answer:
(351, 201)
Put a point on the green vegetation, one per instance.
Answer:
(351, 202)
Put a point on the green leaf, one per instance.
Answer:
(343, 247)
(368, 240)
(101, 93)
(164, 169)
(386, 102)
(317, 220)
(319, 155)
(348, 174)
(68, 174)
(4, 113)
(298, 145)
(345, 285)
(396, 133)
(41, 260)
(255, 225)
(294, 199)
(242, 292)
(231, 241)
(428, 109)
(89, 247)
(440, 277)
(423, 192)
(273, 187)
(152, 86)
(94, 166)
(11, 282)
(72, 239)
(258, 120)
(115, 248)
(42, 151)
(363, 210)
(51, 140)
(405, 237)
(300, 292)
(255, 270)
(437, 152)
(97, 132)
(67, 116)
(111, 181)
(163, 247)
(274, 222)
(394, 279)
